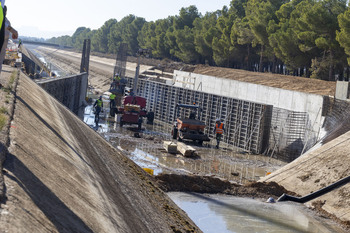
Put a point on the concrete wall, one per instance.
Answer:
(70, 91)
(297, 117)
(342, 90)
(278, 98)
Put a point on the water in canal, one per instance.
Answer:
(227, 214)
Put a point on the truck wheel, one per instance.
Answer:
(174, 132)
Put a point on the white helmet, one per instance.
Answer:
(217, 119)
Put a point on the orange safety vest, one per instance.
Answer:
(219, 128)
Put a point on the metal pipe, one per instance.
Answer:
(286, 197)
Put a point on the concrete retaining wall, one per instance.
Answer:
(70, 91)
(297, 117)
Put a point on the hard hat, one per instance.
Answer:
(270, 200)
(101, 97)
(217, 119)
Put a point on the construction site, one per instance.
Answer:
(282, 160)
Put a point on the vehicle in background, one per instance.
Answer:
(190, 128)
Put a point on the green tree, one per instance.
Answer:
(259, 13)
(284, 40)
(343, 34)
(100, 39)
(204, 30)
(316, 28)
(180, 36)
(125, 31)
(80, 35)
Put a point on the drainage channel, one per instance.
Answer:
(211, 213)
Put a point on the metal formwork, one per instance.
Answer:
(244, 121)
(288, 133)
(255, 127)
(120, 63)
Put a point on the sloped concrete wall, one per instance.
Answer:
(70, 91)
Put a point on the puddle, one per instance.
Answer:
(226, 214)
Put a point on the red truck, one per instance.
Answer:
(133, 110)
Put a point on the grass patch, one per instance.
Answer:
(9, 87)
(3, 120)
(12, 78)
(3, 110)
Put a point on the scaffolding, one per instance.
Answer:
(244, 121)
(120, 63)
(254, 127)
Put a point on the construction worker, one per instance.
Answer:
(218, 130)
(98, 105)
(117, 78)
(2, 23)
(112, 100)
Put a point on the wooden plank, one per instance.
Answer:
(185, 150)
(170, 147)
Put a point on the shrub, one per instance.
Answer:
(3, 120)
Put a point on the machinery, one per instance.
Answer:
(13, 56)
(134, 107)
(133, 110)
(189, 128)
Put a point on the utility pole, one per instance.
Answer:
(144, 53)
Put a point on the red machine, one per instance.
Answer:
(133, 110)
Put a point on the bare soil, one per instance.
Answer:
(286, 82)
(208, 184)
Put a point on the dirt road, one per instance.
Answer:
(101, 69)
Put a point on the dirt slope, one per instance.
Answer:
(61, 176)
(318, 169)
(307, 85)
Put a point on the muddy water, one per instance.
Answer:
(220, 213)
(147, 151)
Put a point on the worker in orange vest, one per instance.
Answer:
(218, 130)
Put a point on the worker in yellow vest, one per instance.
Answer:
(98, 105)
(218, 130)
(2, 24)
(112, 100)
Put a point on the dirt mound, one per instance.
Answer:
(308, 85)
(209, 184)
(199, 184)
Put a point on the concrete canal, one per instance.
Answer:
(212, 213)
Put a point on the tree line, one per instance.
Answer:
(308, 38)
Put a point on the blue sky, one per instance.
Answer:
(48, 18)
